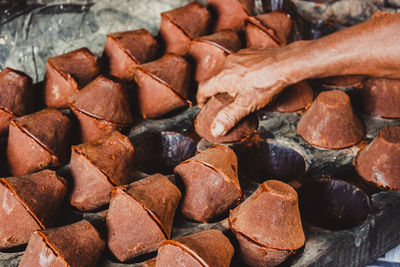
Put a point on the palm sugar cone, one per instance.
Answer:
(30, 202)
(16, 97)
(38, 141)
(331, 122)
(181, 25)
(140, 216)
(381, 97)
(101, 108)
(66, 74)
(162, 86)
(98, 166)
(294, 98)
(241, 131)
(211, 183)
(206, 248)
(75, 245)
(378, 163)
(209, 52)
(268, 225)
(125, 50)
(268, 30)
(231, 14)
(273, 30)
(343, 81)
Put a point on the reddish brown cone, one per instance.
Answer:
(16, 97)
(137, 221)
(268, 30)
(209, 52)
(294, 98)
(206, 248)
(38, 141)
(66, 74)
(125, 50)
(242, 130)
(75, 245)
(96, 167)
(180, 25)
(101, 108)
(30, 202)
(162, 85)
(268, 224)
(331, 122)
(211, 183)
(231, 14)
(381, 97)
(378, 163)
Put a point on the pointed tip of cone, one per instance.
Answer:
(104, 99)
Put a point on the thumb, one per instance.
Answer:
(229, 116)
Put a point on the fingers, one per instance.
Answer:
(208, 89)
(229, 116)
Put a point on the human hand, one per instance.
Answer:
(253, 77)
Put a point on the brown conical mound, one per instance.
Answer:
(294, 98)
(38, 141)
(16, 97)
(378, 163)
(75, 245)
(244, 129)
(381, 97)
(231, 14)
(126, 49)
(162, 85)
(268, 223)
(211, 183)
(210, 52)
(101, 107)
(344, 81)
(30, 202)
(67, 73)
(97, 166)
(331, 122)
(268, 30)
(180, 25)
(138, 221)
(206, 248)
(16, 90)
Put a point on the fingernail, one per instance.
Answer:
(217, 129)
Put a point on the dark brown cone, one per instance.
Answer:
(268, 224)
(294, 98)
(331, 122)
(97, 166)
(125, 50)
(378, 163)
(75, 245)
(16, 97)
(268, 30)
(211, 183)
(38, 141)
(162, 85)
(101, 107)
(381, 97)
(206, 248)
(180, 25)
(67, 73)
(209, 52)
(36, 198)
(138, 221)
(231, 14)
(344, 81)
(242, 130)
